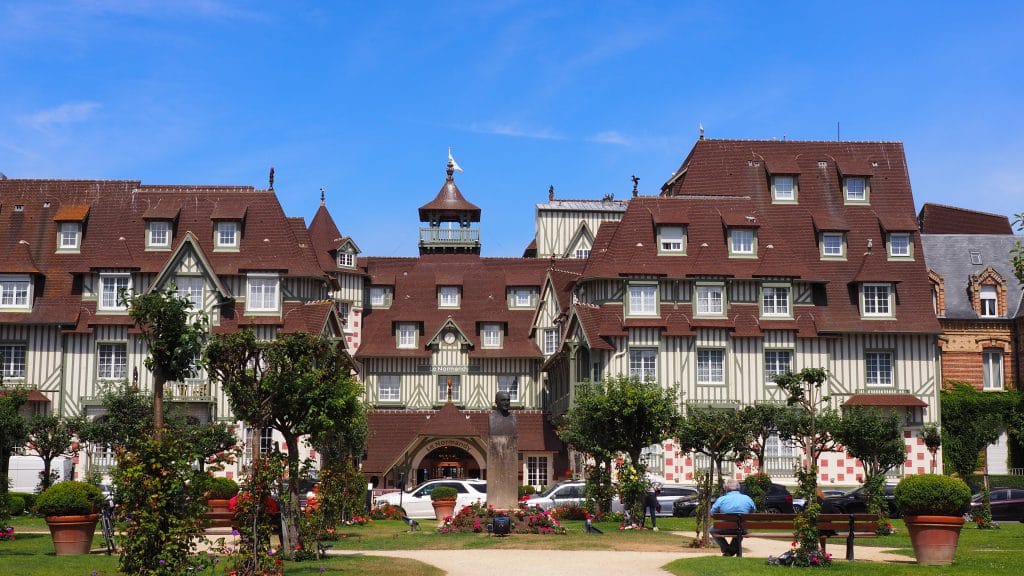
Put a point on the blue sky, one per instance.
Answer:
(364, 98)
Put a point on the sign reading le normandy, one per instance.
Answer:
(449, 444)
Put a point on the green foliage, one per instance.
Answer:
(983, 516)
(28, 498)
(757, 488)
(932, 494)
(763, 423)
(15, 504)
(255, 519)
(69, 498)
(342, 491)
(13, 431)
(874, 437)
(51, 437)
(443, 493)
(599, 489)
(633, 487)
(971, 420)
(1017, 252)
(221, 488)
(932, 438)
(977, 481)
(526, 490)
(127, 422)
(161, 504)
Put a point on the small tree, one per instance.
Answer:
(874, 438)
(51, 437)
(763, 421)
(13, 431)
(971, 421)
(932, 438)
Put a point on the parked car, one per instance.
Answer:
(779, 500)
(669, 494)
(798, 503)
(856, 502)
(417, 503)
(1007, 504)
(568, 492)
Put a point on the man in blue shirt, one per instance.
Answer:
(732, 502)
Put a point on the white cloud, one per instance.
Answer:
(612, 137)
(513, 130)
(69, 113)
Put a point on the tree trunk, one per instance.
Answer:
(158, 403)
(5, 470)
(44, 482)
(290, 508)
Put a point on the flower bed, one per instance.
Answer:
(387, 512)
(476, 517)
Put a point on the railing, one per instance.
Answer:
(780, 465)
(450, 236)
(191, 390)
(101, 459)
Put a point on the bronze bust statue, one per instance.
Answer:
(502, 420)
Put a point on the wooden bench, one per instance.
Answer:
(849, 526)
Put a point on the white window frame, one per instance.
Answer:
(13, 363)
(581, 253)
(642, 300)
(191, 288)
(711, 366)
(389, 388)
(856, 189)
(992, 369)
(742, 242)
(776, 361)
(988, 298)
(879, 369)
(537, 471)
(408, 334)
(263, 293)
(266, 440)
(872, 302)
(69, 236)
(442, 387)
(509, 383)
(784, 193)
(550, 341)
(643, 363)
(154, 230)
(672, 239)
(16, 292)
(774, 306)
(522, 298)
(226, 234)
(827, 250)
(706, 305)
(448, 297)
(111, 360)
(346, 259)
(906, 249)
(490, 335)
(110, 286)
(380, 297)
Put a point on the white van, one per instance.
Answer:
(26, 472)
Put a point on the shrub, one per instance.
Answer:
(28, 497)
(932, 494)
(443, 493)
(15, 505)
(757, 486)
(570, 512)
(527, 490)
(221, 488)
(69, 498)
(387, 512)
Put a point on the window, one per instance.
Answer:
(448, 296)
(643, 300)
(389, 388)
(582, 253)
(266, 440)
(111, 288)
(346, 260)
(989, 301)
(444, 382)
(407, 333)
(159, 234)
(832, 245)
(899, 245)
(263, 294)
(70, 234)
(741, 241)
(710, 301)
(775, 447)
(643, 363)
(783, 188)
(12, 360)
(226, 235)
(490, 335)
(190, 288)
(671, 239)
(975, 257)
(856, 188)
(14, 292)
(509, 383)
(775, 301)
(992, 369)
(537, 471)
(380, 297)
(522, 298)
(776, 362)
(878, 368)
(112, 361)
(550, 341)
(711, 366)
(877, 299)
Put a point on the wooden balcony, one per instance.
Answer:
(191, 390)
(450, 238)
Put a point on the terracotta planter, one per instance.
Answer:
(72, 535)
(219, 514)
(443, 508)
(218, 505)
(934, 538)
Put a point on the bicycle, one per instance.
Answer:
(107, 526)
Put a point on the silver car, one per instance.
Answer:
(417, 502)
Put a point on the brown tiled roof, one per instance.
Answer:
(17, 259)
(72, 213)
(162, 211)
(449, 205)
(309, 317)
(939, 219)
(885, 400)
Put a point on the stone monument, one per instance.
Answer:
(503, 455)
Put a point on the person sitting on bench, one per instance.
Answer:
(732, 502)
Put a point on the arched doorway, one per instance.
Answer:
(447, 462)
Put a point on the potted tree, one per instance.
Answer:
(219, 492)
(443, 499)
(933, 506)
(72, 511)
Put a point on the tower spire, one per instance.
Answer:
(323, 196)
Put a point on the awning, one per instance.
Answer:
(885, 400)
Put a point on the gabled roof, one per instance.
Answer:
(940, 219)
(189, 244)
(449, 205)
(949, 256)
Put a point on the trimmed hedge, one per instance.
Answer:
(976, 482)
(443, 493)
(221, 488)
(526, 490)
(28, 497)
(15, 505)
(69, 498)
(932, 494)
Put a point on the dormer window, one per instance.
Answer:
(407, 335)
(226, 235)
(742, 242)
(346, 260)
(783, 188)
(672, 239)
(380, 297)
(899, 245)
(833, 245)
(448, 296)
(70, 236)
(158, 234)
(855, 189)
(876, 300)
(989, 301)
(15, 292)
(263, 294)
(112, 287)
(522, 298)
(490, 335)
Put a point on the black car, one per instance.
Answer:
(856, 502)
(1007, 504)
(779, 500)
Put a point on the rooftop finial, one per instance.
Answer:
(323, 196)
(701, 127)
(636, 183)
(452, 164)
(271, 177)
(551, 192)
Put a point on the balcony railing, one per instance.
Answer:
(191, 390)
(454, 237)
(780, 465)
(101, 459)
